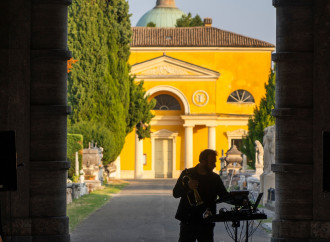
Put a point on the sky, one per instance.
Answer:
(252, 18)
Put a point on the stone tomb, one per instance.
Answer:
(92, 167)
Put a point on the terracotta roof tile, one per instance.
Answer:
(192, 37)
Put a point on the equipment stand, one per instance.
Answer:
(236, 225)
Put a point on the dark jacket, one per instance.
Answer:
(210, 186)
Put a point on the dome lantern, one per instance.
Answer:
(165, 4)
(164, 15)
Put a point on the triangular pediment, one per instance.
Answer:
(164, 133)
(237, 133)
(168, 67)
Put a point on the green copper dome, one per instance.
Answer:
(164, 14)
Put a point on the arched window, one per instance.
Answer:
(166, 102)
(240, 96)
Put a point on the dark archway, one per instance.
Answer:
(33, 102)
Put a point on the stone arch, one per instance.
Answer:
(173, 90)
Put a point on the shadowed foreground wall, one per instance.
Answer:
(33, 79)
(33, 55)
(302, 114)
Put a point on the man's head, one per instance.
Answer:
(208, 158)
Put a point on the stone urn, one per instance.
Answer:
(233, 159)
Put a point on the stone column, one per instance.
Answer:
(189, 146)
(294, 121)
(48, 158)
(138, 171)
(212, 137)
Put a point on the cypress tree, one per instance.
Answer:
(100, 88)
(261, 119)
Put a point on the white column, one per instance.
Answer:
(77, 165)
(212, 138)
(188, 146)
(138, 173)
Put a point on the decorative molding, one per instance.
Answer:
(293, 112)
(292, 168)
(215, 120)
(173, 90)
(192, 120)
(200, 98)
(46, 2)
(236, 134)
(291, 56)
(296, 3)
(163, 133)
(51, 109)
(50, 54)
(50, 165)
(168, 67)
(176, 80)
(164, 120)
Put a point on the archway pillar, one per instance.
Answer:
(294, 165)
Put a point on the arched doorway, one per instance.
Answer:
(163, 141)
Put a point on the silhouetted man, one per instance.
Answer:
(208, 185)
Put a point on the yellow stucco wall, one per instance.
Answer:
(239, 69)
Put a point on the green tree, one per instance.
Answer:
(100, 134)
(151, 24)
(99, 85)
(261, 119)
(74, 144)
(139, 111)
(189, 21)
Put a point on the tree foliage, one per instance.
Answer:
(139, 110)
(261, 119)
(189, 21)
(99, 85)
(100, 134)
(151, 24)
(74, 144)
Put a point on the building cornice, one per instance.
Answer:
(202, 49)
(211, 120)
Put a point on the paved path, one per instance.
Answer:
(142, 212)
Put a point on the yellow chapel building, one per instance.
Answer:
(206, 82)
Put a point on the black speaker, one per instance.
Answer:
(8, 164)
(326, 161)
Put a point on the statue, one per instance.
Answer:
(269, 148)
(259, 154)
